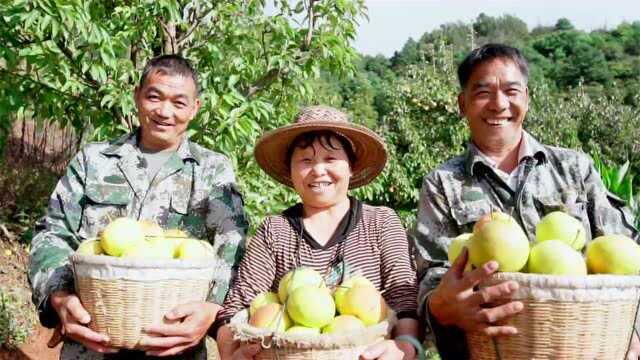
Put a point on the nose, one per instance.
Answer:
(165, 110)
(318, 168)
(499, 102)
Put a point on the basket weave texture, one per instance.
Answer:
(310, 347)
(565, 317)
(125, 295)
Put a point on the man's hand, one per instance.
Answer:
(385, 350)
(634, 348)
(187, 325)
(246, 352)
(74, 319)
(455, 302)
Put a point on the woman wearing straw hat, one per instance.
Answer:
(322, 155)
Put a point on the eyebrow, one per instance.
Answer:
(481, 84)
(155, 89)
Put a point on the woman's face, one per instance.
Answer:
(320, 173)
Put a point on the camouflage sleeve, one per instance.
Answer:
(56, 237)
(431, 237)
(607, 212)
(227, 219)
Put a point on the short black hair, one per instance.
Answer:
(487, 53)
(324, 137)
(170, 65)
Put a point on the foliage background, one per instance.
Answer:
(76, 63)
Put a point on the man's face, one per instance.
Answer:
(495, 102)
(166, 104)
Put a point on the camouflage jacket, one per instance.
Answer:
(466, 187)
(194, 190)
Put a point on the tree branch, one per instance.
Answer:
(267, 79)
(86, 78)
(169, 31)
(310, 27)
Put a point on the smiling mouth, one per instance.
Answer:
(161, 123)
(497, 121)
(319, 185)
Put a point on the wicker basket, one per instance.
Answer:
(125, 295)
(565, 317)
(310, 347)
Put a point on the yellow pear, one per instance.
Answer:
(151, 228)
(90, 247)
(311, 306)
(296, 278)
(613, 254)
(342, 289)
(262, 299)
(194, 249)
(271, 317)
(120, 234)
(142, 249)
(365, 303)
(161, 248)
(456, 246)
(556, 257)
(561, 226)
(303, 330)
(175, 236)
(499, 238)
(343, 324)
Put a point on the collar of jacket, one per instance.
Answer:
(474, 158)
(128, 144)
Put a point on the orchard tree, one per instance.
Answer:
(77, 62)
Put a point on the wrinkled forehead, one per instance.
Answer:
(170, 83)
(497, 71)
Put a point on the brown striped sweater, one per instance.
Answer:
(375, 246)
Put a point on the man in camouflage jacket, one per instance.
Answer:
(155, 173)
(504, 169)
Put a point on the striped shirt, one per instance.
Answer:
(376, 247)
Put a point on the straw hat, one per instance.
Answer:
(369, 149)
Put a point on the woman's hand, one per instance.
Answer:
(187, 325)
(385, 350)
(74, 319)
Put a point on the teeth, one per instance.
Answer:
(497, 121)
(321, 184)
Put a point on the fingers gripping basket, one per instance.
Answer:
(565, 317)
(310, 347)
(125, 295)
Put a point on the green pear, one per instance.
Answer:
(90, 247)
(262, 299)
(303, 330)
(342, 289)
(613, 254)
(296, 278)
(501, 239)
(561, 226)
(456, 246)
(311, 306)
(555, 257)
(343, 324)
(120, 234)
(365, 303)
(271, 317)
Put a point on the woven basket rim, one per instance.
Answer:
(144, 263)
(592, 281)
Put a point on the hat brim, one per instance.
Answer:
(371, 156)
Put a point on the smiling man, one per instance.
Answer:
(503, 168)
(154, 173)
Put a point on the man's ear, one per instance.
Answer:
(196, 107)
(461, 104)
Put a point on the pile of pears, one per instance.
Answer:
(557, 250)
(305, 305)
(129, 238)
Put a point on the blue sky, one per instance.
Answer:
(392, 22)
